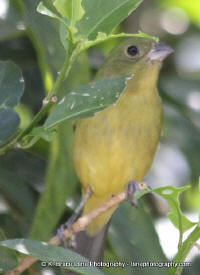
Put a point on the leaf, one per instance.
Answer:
(41, 8)
(64, 33)
(41, 132)
(8, 258)
(11, 90)
(17, 193)
(171, 195)
(60, 183)
(103, 16)
(70, 9)
(133, 238)
(50, 253)
(87, 100)
(50, 52)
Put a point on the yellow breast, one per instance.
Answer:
(117, 145)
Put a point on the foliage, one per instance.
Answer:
(70, 94)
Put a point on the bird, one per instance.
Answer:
(117, 145)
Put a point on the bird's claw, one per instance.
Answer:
(131, 188)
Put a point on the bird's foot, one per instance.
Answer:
(68, 225)
(131, 189)
(71, 243)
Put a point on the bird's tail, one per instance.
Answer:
(92, 247)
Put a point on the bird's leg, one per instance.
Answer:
(71, 220)
(131, 188)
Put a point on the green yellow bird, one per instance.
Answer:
(118, 144)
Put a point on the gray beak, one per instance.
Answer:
(159, 52)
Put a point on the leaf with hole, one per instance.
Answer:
(171, 195)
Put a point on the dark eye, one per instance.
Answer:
(132, 50)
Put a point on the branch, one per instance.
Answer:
(78, 226)
(48, 102)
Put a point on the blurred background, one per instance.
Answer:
(38, 187)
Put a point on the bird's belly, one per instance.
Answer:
(116, 146)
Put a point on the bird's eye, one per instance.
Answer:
(132, 50)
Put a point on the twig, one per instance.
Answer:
(79, 225)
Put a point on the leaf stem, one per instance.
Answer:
(48, 102)
(184, 250)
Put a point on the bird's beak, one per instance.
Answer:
(159, 52)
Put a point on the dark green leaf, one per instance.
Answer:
(9, 122)
(11, 84)
(104, 16)
(134, 239)
(87, 100)
(17, 192)
(47, 252)
(11, 90)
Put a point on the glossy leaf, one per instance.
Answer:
(46, 252)
(87, 100)
(103, 16)
(11, 90)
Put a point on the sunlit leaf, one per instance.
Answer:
(70, 9)
(104, 16)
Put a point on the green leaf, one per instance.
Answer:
(87, 100)
(188, 244)
(103, 37)
(41, 132)
(8, 258)
(60, 183)
(70, 9)
(171, 195)
(41, 8)
(11, 90)
(133, 238)
(17, 193)
(103, 16)
(64, 33)
(46, 252)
